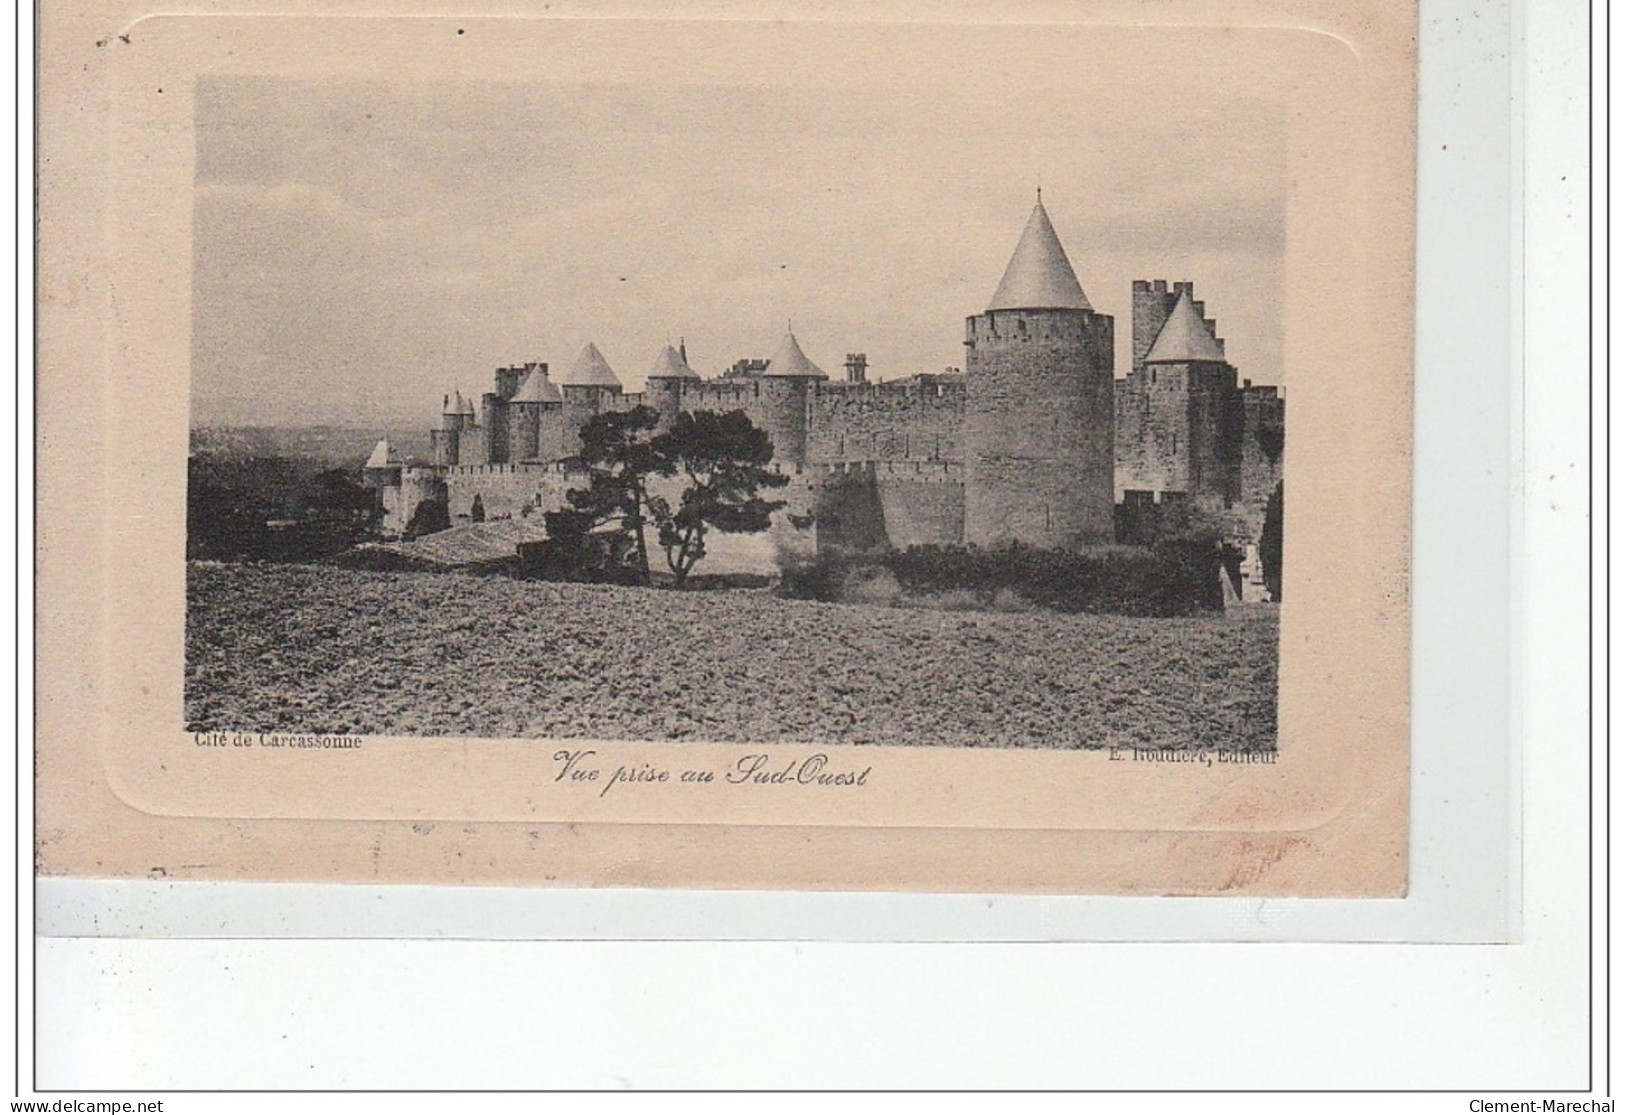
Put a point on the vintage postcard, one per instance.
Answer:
(599, 448)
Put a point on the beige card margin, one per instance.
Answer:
(122, 791)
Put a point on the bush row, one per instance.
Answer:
(1172, 578)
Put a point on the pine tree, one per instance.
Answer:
(724, 458)
(617, 449)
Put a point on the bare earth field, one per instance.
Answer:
(300, 648)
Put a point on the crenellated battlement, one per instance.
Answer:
(923, 472)
(895, 391)
(529, 468)
(1036, 327)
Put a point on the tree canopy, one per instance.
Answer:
(275, 509)
(431, 516)
(724, 458)
(340, 511)
(618, 452)
(722, 461)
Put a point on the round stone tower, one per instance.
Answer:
(665, 384)
(448, 448)
(588, 388)
(787, 385)
(1038, 405)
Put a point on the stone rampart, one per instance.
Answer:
(506, 491)
(885, 422)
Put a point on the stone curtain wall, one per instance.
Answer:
(885, 422)
(848, 512)
(1036, 444)
(890, 503)
(923, 504)
(506, 491)
(1153, 431)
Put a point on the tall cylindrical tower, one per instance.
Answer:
(586, 387)
(787, 385)
(1038, 405)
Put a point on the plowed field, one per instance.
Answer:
(298, 648)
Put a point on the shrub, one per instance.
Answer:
(1174, 577)
(275, 509)
(868, 584)
(816, 577)
(574, 551)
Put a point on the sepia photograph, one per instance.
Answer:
(738, 413)
(538, 450)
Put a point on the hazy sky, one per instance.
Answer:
(362, 248)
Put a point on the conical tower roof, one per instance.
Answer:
(1039, 276)
(791, 361)
(537, 388)
(590, 370)
(466, 406)
(671, 365)
(453, 403)
(383, 456)
(1184, 337)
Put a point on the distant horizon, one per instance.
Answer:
(363, 248)
(432, 416)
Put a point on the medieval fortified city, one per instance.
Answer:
(1026, 552)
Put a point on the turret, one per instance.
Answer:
(382, 474)
(495, 445)
(473, 446)
(1191, 413)
(666, 382)
(587, 388)
(787, 385)
(535, 397)
(383, 467)
(1038, 406)
(452, 423)
(857, 367)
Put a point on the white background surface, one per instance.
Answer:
(412, 1013)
